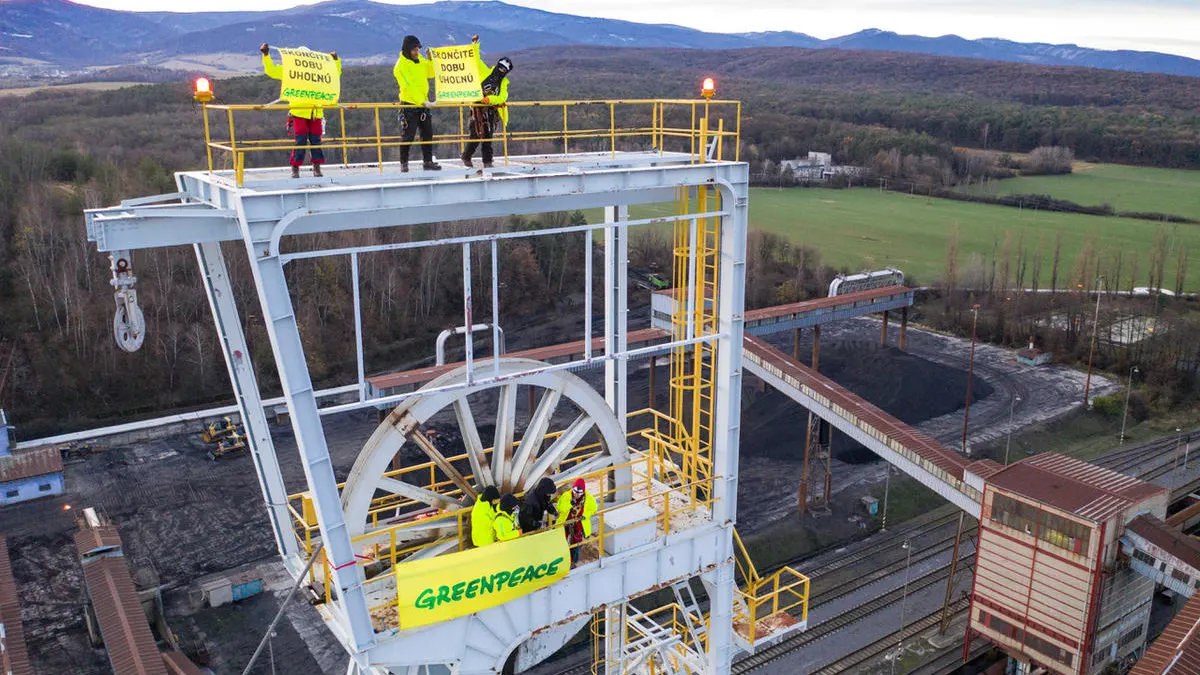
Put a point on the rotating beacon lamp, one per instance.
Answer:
(202, 90)
(708, 88)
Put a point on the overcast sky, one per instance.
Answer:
(1153, 25)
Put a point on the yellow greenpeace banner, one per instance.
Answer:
(450, 586)
(457, 74)
(309, 78)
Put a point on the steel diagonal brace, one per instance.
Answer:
(410, 427)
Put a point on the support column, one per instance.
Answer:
(532, 402)
(816, 352)
(945, 622)
(616, 314)
(249, 400)
(903, 329)
(803, 496)
(796, 335)
(883, 330)
(653, 368)
(280, 318)
(828, 467)
(614, 638)
(727, 420)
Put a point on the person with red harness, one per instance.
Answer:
(575, 509)
(305, 123)
(491, 111)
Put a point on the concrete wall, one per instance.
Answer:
(30, 488)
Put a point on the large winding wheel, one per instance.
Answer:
(522, 454)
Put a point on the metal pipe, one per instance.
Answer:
(303, 255)
(497, 333)
(587, 293)
(358, 337)
(469, 353)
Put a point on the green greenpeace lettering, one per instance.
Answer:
(432, 597)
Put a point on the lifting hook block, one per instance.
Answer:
(129, 324)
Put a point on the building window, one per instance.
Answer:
(1064, 533)
(44, 487)
(1099, 657)
(12, 494)
(1178, 575)
(1143, 557)
(1131, 636)
(1049, 649)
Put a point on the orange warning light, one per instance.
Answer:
(708, 88)
(203, 90)
(66, 507)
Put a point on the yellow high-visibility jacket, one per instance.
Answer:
(497, 100)
(505, 527)
(589, 510)
(482, 519)
(413, 79)
(275, 72)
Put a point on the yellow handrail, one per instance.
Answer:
(648, 125)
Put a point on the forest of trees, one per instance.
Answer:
(61, 152)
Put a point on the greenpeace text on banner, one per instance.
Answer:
(450, 586)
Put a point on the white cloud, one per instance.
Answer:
(1152, 25)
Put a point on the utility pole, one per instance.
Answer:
(970, 376)
(1128, 389)
(1007, 444)
(1087, 386)
(903, 600)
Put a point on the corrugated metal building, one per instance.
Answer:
(14, 659)
(30, 474)
(1047, 587)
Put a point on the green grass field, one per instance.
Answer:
(1125, 188)
(864, 228)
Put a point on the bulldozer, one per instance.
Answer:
(233, 443)
(218, 431)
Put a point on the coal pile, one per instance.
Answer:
(908, 387)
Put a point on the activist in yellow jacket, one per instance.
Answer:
(275, 72)
(413, 75)
(578, 505)
(505, 524)
(483, 516)
(493, 112)
(499, 97)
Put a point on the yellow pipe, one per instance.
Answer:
(342, 115)
(378, 141)
(207, 137)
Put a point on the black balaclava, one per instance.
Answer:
(410, 41)
(491, 84)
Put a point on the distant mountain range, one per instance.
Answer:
(61, 33)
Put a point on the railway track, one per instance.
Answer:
(825, 628)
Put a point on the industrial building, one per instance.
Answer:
(27, 474)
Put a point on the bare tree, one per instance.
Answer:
(1057, 257)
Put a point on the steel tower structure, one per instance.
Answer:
(668, 481)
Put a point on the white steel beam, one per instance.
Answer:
(249, 400)
(727, 417)
(292, 365)
(616, 328)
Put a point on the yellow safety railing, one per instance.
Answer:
(786, 591)
(360, 131)
(673, 618)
